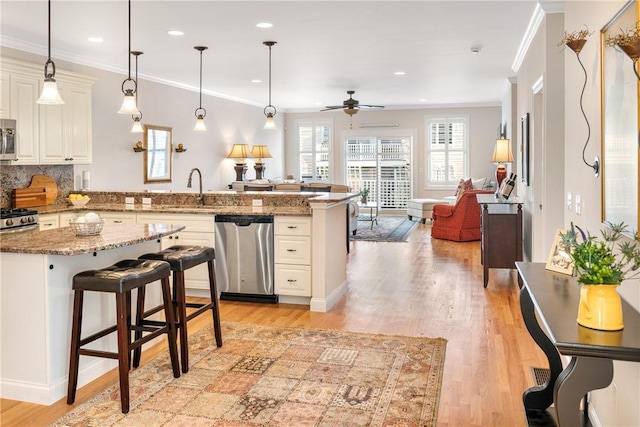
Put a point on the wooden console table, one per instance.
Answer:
(555, 297)
(501, 224)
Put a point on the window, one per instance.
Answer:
(314, 143)
(447, 151)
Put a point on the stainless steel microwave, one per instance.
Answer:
(8, 149)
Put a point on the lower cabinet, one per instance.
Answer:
(48, 222)
(199, 230)
(292, 249)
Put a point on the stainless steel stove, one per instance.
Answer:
(13, 220)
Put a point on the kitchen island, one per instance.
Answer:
(36, 272)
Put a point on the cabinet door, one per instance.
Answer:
(5, 99)
(48, 222)
(24, 92)
(292, 250)
(66, 129)
(118, 217)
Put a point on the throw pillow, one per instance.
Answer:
(459, 187)
(478, 184)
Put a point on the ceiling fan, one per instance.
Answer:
(352, 106)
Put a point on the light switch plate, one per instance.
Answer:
(256, 202)
(146, 200)
(129, 200)
(578, 204)
(569, 202)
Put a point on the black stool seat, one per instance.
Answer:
(122, 276)
(120, 279)
(181, 258)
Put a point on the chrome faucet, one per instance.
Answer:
(200, 196)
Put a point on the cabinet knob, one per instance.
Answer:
(291, 250)
(291, 280)
(293, 227)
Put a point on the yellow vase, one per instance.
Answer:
(600, 307)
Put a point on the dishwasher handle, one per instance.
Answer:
(245, 220)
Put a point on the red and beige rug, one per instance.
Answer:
(275, 376)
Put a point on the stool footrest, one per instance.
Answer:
(201, 308)
(98, 353)
(97, 335)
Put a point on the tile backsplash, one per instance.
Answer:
(20, 177)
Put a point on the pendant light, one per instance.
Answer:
(129, 102)
(200, 112)
(50, 94)
(137, 125)
(269, 110)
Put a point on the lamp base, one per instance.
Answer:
(260, 168)
(241, 169)
(501, 174)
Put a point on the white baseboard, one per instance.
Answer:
(323, 305)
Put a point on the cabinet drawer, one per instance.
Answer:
(293, 280)
(48, 222)
(118, 217)
(201, 223)
(292, 249)
(292, 226)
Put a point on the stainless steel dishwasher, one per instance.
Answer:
(244, 258)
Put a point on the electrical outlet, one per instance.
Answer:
(256, 202)
(129, 200)
(578, 205)
(569, 202)
(146, 200)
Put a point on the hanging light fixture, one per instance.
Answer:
(137, 125)
(129, 102)
(269, 110)
(50, 94)
(200, 112)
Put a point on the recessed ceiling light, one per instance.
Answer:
(422, 100)
(175, 33)
(399, 73)
(95, 39)
(256, 81)
(264, 25)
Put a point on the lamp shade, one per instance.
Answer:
(502, 151)
(50, 94)
(260, 152)
(239, 151)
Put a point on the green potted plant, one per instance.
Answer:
(364, 194)
(601, 265)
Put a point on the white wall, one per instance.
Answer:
(579, 179)
(483, 131)
(117, 167)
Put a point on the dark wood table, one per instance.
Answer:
(555, 297)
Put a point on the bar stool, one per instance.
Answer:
(120, 279)
(181, 258)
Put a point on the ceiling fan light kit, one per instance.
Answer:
(352, 106)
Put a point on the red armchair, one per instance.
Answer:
(460, 222)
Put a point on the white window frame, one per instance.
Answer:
(315, 123)
(436, 185)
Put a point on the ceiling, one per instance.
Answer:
(324, 48)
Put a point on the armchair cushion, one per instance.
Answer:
(460, 222)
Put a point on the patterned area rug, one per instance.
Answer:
(387, 229)
(274, 376)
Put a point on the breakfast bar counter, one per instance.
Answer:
(36, 272)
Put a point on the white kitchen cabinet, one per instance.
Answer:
(199, 230)
(292, 248)
(24, 91)
(65, 130)
(47, 134)
(5, 100)
(118, 217)
(48, 222)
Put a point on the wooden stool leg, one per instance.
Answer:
(171, 324)
(139, 319)
(76, 330)
(215, 304)
(123, 350)
(181, 306)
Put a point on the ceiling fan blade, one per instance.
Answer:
(332, 107)
(372, 107)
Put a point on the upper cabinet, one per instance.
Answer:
(47, 134)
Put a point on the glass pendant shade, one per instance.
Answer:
(50, 94)
(129, 103)
(270, 123)
(200, 126)
(137, 126)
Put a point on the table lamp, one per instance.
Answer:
(260, 152)
(239, 152)
(501, 155)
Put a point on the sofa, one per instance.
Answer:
(459, 222)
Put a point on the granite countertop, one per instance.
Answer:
(171, 209)
(62, 241)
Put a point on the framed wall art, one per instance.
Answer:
(620, 122)
(524, 122)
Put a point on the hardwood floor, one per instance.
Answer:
(425, 287)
